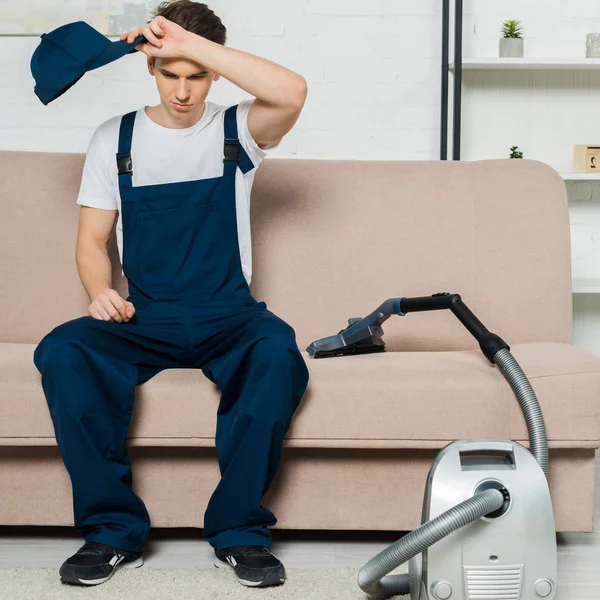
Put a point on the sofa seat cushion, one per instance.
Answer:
(391, 399)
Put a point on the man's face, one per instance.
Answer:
(183, 85)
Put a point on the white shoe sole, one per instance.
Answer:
(223, 563)
(135, 564)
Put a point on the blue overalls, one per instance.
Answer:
(193, 309)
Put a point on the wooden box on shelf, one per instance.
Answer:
(586, 159)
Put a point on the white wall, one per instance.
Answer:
(373, 69)
(374, 80)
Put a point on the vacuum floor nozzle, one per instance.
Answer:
(370, 341)
(349, 350)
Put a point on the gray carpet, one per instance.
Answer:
(182, 584)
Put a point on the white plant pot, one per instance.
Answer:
(511, 47)
(593, 45)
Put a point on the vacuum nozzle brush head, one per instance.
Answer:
(347, 351)
(367, 341)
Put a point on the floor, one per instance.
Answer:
(578, 559)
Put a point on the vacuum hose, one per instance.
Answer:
(538, 443)
(371, 577)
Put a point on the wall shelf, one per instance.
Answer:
(530, 64)
(582, 285)
(580, 176)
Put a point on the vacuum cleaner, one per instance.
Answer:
(487, 528)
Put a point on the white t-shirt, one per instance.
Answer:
(165, 155)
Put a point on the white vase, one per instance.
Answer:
(511, 47)
(593, 45)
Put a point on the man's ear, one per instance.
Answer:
(217, 77)
(151, 64)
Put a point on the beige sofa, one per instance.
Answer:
(331, 240)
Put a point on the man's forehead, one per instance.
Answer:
(180, 67)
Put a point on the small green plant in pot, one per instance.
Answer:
(511, 42)
(515, 152)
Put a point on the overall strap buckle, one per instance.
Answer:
(231, 149)
(124, 164)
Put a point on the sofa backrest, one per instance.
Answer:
(332, 240)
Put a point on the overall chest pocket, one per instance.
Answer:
(178, 248)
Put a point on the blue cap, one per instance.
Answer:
(65, 54)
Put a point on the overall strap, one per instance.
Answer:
(124, 164)
(233, 151)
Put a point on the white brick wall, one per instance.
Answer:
(374, 80)
(373, 69)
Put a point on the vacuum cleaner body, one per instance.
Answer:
(508, 555)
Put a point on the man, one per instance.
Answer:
(178, 177)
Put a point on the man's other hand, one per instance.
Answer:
(110, 306)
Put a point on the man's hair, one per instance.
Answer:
(194, 17)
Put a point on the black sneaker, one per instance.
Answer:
(95, 563)
(254, 566)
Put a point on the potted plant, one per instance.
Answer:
(515, 152)
(511, 44)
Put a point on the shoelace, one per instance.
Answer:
(253, 550)
(261, 551)
(96, 548)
